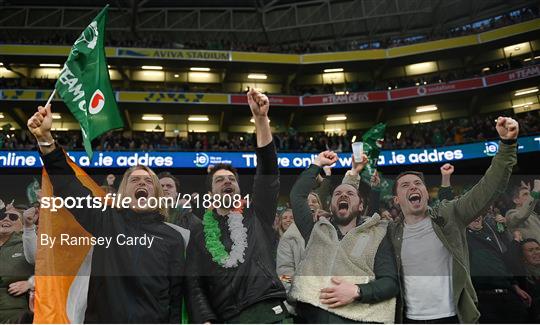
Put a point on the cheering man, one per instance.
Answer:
(348, 271)
(128, 283)
(231, 270)
(430, 243)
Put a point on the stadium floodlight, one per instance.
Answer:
(56, 116)
(526, 91)
(259, 76)
(152, 67)
(176, 75)
(486, 69)
(332, 130)
(398, 135)
(522, 105)
(333, 70)
(427, 108)
(336, 118)
(198, 118)
(199, 69)
(49, 65)
(148, 117)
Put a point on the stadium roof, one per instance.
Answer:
(265, 22)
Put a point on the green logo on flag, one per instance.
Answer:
(85, 86)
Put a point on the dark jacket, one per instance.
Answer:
(13, 268)
(489, 268)
(127, 283)
(217, 293)
(184, 218)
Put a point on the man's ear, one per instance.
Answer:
(395, 199)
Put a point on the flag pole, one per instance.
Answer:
(51, 97)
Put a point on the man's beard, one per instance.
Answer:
(343, 221)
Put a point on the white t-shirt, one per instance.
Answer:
(427, 270)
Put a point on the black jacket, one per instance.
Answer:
(218, 294)
(128, 284)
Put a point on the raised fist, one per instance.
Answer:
(447, 169)
(258, 103)
(326, 158)
(40, 123)
(30, 217)
(508, 128)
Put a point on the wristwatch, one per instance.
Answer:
(358, 292)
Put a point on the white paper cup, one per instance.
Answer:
(358, 150)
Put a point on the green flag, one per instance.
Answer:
(32, 191)
(373, 141)
(85, 86)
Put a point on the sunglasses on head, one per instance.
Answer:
(11, 216)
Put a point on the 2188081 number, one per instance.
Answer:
(216, 201)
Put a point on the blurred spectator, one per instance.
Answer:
(414, 136)
(500, 298)
(523, 217)
(531, 259)
(14, 269)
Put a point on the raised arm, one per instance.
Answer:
(260, 105)
(266, 183)
(324, 187)
(303, 217)
(467, 207)
(29, 235)
(445, 191)
(517, 216)
(63, 176)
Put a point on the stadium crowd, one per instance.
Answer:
(338, 251)
(413, 136)
(160, 40)
(295, 89)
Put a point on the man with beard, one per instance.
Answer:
(430, 243)
(348, 272)
(135, 283)
(232, 275)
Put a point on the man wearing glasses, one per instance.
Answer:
(14, 269)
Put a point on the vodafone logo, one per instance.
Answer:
(96, 102)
